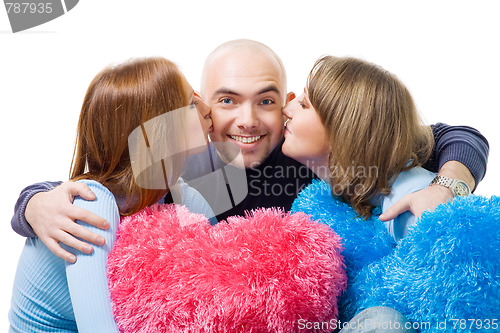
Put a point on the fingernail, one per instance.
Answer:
(71, 258)
(101, 241)
(87, 249)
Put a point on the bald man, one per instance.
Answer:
(244, 82)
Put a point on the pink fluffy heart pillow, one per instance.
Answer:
(170, 271)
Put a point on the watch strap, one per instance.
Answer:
(458, 186)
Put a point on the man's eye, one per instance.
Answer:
(267, 102)
(226, 101)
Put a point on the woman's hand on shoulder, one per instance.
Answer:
(418, 202)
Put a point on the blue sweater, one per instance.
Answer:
(51, 295)
(407, 182)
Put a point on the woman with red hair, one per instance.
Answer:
(138, 123)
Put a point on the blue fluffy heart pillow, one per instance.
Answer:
(170, 271)
(444, 272)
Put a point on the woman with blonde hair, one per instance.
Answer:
(356, 126)
(135, 131)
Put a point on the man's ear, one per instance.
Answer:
(289, 97)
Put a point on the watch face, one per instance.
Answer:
(461, 189)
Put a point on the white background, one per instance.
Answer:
(447, 53)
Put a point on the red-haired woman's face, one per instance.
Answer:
(199, 123)
(204, 114)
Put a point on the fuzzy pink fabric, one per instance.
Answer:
(170, 271)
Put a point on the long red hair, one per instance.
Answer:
(120, 99)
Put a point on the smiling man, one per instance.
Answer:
(245, 84)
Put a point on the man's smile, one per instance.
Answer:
(245, 139)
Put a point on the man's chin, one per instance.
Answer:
(253, 160)
(241, 161)
(233, 155)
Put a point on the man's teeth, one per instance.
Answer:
(245, 139)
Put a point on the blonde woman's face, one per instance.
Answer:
(306, 139)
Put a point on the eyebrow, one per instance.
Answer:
(227, 91)
(269, 89)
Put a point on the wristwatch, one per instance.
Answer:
(459, 187)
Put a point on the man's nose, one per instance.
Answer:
(247, 117)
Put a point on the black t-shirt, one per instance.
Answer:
(232, 191)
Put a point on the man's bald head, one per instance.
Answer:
(241, 48)
(244, 82)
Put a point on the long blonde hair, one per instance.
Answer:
(120, 99)
(374, 129)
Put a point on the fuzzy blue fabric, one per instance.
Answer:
(443, 273)
(364, 241)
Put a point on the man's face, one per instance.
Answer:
(246, 94)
